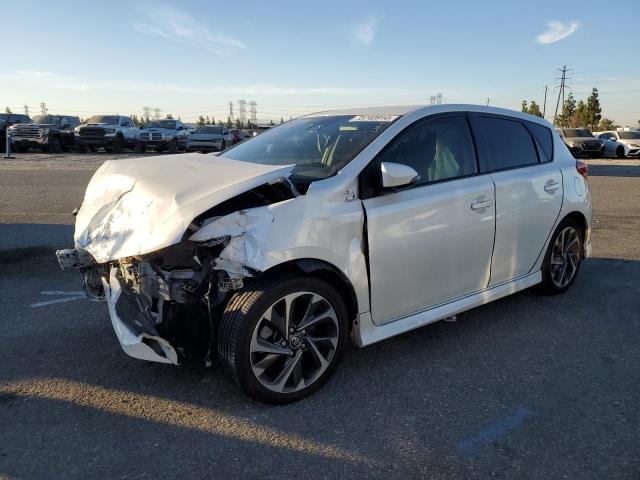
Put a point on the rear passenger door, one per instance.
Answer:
(528, 190)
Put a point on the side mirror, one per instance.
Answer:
(397, 175)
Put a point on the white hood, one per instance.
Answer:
(139, 205)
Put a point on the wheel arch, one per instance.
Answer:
(580, 220)
(327, 272)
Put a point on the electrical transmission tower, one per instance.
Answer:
(231, 111)
(146, 111)
(563, 79)
(243, 111)
(439, 98)
(253, 112)
(156, 113)
(432, 100)
(26, 109)
(43, 108)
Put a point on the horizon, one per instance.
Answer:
(187, 61)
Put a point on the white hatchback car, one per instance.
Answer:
(356, 223)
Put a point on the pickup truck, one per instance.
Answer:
(49, 133)
(114, 133)
(168, 134)
(8, 119)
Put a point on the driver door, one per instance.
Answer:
(432, 242)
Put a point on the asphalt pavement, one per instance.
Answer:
(527, 387)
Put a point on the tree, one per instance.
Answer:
(593, 109)
(580, 117)
(169, 116)
(207, 121)
(568, 112)
(534, 109)
(213, 120)
(606, 124)
(239, 124)
(281, 120)
(201, 121)
(7, 110)
(523, 109)
(229, 122)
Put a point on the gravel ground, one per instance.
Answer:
(527, 387)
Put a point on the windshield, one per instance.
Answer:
(576, 132)
(4, 117)
(317, 146)
(217, 130)
(108, 119)
(44, 119)
(170, 124)
(629, 135)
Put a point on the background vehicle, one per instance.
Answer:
(6, 120)
(114, 133)
(581, 142)
(209, 138)
(49, 133)
(170, 135)
(238, 135)
(270, 255)
(621, 143)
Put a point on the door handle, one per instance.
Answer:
(551, 186)
(481, 206)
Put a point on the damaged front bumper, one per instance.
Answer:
(134, 325)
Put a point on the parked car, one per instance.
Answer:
(114, 133)
(209, 138)
(170, 135)
(361, 223)
(621, 143)
(49, 133)
(238, 135)
(581, 142)
(6, 120)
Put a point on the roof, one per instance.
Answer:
(449, 107)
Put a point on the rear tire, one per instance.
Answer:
(278, 358)
(562, 260)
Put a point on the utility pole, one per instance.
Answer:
(26, 109)
(487, 101)
(243, 111)
(563, 79)
(231, 111)
(43, 108)
(254, 112)
(544, 105)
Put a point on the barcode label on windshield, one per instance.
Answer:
(374, 118)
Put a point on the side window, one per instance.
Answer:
(544, 139)
(438, 149)
(507, 143)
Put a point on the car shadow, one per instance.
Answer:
(396, 408)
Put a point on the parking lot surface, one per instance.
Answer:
(526, 387)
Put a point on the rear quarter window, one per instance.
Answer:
(544, 139)
(506, 143)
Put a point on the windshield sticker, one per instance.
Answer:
(374, 118)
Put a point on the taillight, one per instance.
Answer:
(582, 168)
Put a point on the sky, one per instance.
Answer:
(295, 57)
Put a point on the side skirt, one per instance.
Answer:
(367, 333)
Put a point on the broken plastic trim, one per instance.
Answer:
(138, 337)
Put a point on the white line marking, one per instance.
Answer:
(57, 300)
(59, 292)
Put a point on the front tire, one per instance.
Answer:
(620, 152)
(54, 145)
(282, 339)
(118, 144)
(563, 258)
